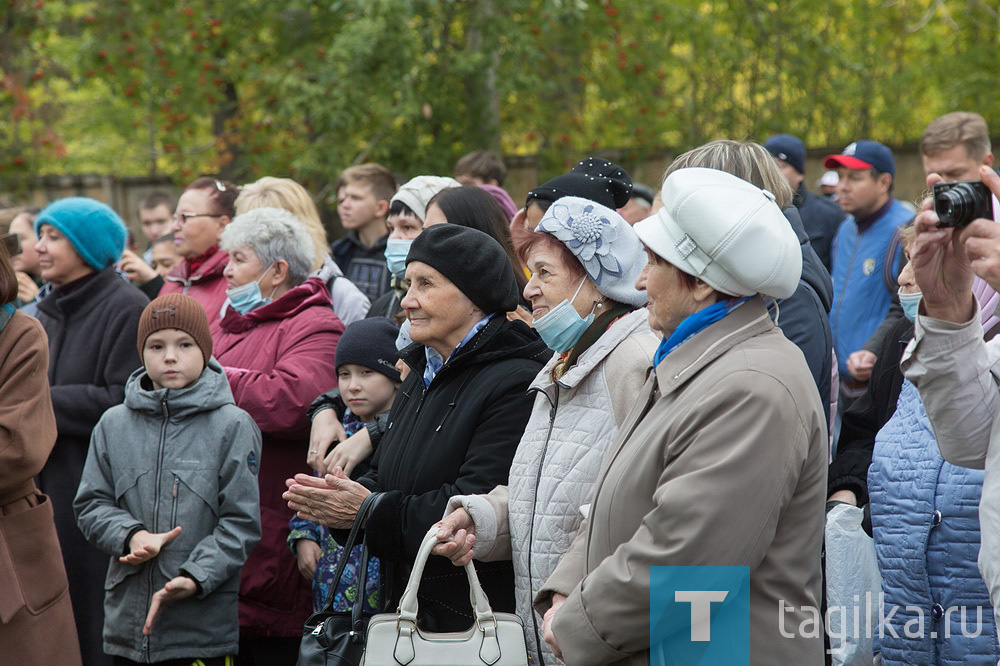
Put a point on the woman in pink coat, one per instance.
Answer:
(276, 340)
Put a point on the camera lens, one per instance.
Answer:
(956, 205)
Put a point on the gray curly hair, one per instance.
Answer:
(273, 234)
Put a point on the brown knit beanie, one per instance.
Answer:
(180, 312)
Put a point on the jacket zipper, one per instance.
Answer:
(150, 566)
(847, 278)
(173, 507)
(553, 407)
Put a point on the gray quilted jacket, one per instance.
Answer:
(534, 519)
(165, 458)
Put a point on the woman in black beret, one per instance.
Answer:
(454, 426)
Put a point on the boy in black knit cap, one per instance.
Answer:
(367, 381)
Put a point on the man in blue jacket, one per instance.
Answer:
(861, 295)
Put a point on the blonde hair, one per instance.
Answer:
(957, 128)
(270, 192)
(743, 159)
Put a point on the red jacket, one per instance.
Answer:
(206, 285)
(278, 358)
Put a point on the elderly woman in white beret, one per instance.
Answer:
(722, 458)
(584, 260)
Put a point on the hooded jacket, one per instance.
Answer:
(454, 437)
(167, 458)
(720, 462)
(207, 285)
(92, 325)
(804, 317)
(534, 519)
(279, 357)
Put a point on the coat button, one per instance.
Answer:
(937, 611)
(935, 518)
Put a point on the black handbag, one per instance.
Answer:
(337, 638)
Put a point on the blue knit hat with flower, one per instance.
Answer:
(603, 242)
(96, 231)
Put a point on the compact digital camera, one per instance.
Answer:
(957, 204)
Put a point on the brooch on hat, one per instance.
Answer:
(588, 233)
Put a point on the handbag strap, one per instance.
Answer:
(408, 603)
(367, 504)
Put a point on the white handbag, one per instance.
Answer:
(496, 639)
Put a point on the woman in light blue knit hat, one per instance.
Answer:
(91, 316)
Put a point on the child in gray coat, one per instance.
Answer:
(170, 492)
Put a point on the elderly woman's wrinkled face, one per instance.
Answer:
(553, 282)
(244, 267)
(670, 298)
(197, 224)
(438, 311)
(907, 283)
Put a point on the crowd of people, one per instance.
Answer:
(605, 379)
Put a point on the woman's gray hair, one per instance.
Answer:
(272, 234)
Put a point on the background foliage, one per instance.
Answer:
(307, 87)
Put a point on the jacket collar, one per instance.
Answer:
(62, 305)
(310, 293)
(602, 347)
(211, 268)
(499, 339)
(748, 320)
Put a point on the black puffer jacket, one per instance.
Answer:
(456, 437)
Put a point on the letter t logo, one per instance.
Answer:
(701, 610)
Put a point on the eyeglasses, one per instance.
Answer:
(184, 216)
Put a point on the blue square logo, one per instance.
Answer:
(699, 616)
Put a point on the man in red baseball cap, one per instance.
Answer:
(861, 295)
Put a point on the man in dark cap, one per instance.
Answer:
(821, 217)
(592, 178)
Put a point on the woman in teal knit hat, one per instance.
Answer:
(91, 316)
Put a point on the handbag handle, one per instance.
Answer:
(408, 604)
(367, 505)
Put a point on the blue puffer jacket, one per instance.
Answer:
(925, 519)
(860, 296)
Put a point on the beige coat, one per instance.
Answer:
(722, 462)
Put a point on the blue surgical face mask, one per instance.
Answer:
(910, 303)
(247, 297)
(396, 250)
(562, 326)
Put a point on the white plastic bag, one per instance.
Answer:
(853, 587)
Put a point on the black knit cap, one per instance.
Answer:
(370, 343)
(593, 178)
(475, 262)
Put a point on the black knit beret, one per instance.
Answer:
(475, 262)
(593, 178)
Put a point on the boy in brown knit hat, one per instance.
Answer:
(170, 492)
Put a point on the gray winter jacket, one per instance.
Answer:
(349, 302)
(165, 458)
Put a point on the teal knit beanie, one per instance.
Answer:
(96, 231)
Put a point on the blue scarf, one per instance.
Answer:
(696, 323)
(6, 312)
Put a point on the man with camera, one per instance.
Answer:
(955, 371)
(861, 296)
